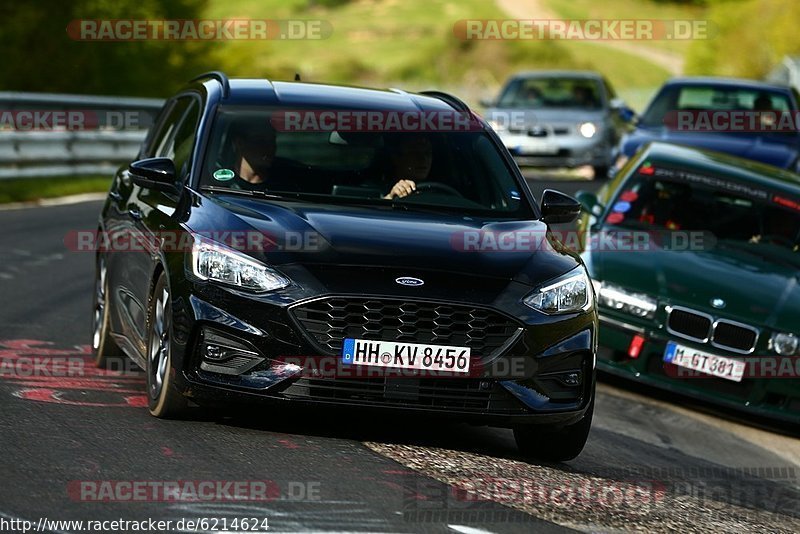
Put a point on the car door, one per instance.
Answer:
(149, 213)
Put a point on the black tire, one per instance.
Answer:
(164, 401)
(105, 351)
(600, 173)
(550, 444)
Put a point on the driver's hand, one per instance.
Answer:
(401, 189)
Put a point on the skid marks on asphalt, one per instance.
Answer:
(37, 371)
(665, 499)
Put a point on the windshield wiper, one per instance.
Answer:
(251, 193)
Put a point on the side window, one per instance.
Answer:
(183, 141)
(165, 127)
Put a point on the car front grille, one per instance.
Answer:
(470, 395)
(330, 320)
(734, 336)
(689, 324)
(722, 333)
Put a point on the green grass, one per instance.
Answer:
(28, 189)
(632, 9)
(411, 44)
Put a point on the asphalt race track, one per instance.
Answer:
(69, 431)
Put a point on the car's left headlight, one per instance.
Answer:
(219, 263)
(618, 298)
(566, 294)
(587, 129)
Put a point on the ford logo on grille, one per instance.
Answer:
(409, 281)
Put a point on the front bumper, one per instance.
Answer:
(777, 399)
(520, 384)
(555, 151)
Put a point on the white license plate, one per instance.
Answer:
(532, 147)
(706, 363)
(406, 355)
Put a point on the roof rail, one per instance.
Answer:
(447, 97)
(220, 76)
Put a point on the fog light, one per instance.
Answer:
(221, 354)
(784, 344)
(572, 379)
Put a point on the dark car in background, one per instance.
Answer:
(358, 298)
(696, 266)
(559, 119)
(735, 116)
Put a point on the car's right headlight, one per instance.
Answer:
(784, 344)
(568, 293)
(219, 263)
(617, 298)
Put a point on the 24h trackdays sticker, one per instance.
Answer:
(67, 376)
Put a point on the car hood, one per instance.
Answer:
(317, 235)
(756, 290)
(763, 149)
(566, 117)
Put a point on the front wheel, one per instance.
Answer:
(554, 444)
(164, 400)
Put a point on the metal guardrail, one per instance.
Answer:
(117, 129)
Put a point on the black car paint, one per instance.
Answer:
(496, 280)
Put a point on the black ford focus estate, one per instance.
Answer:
(344, 247)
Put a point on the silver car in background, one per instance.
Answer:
(557, 119)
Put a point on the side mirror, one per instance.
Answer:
(621, 108)
(558, 208)
(155, 173)
(589, 202)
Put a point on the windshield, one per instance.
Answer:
(662, 198)
(540, 93)
(711, 98)
(449, 171)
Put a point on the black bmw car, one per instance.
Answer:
(266, 246)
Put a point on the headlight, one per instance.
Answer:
(784, 344)
(216, 262)
(587, 129)
(568, 293)
(617, 298)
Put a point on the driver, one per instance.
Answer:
(256, 166)
(409, 163)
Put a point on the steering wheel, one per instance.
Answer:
(436, 187)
